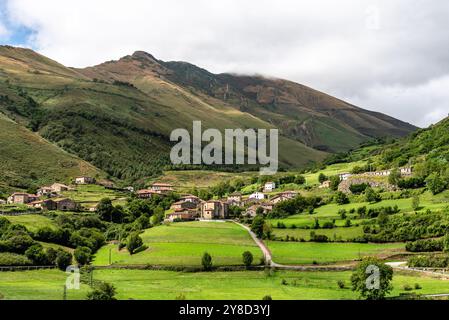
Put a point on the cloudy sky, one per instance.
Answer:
(385, 55)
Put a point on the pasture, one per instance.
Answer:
(251, 285)
(299, 253)
(183, 244)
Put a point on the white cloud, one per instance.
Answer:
(347, 48)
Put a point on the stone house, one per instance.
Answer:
(84, 180)
(146, 193)
(22, 198)
(59, 187)
(325, 184)
(66, 205)
(181, 205)
(257, 196)
(252, 211)
(46, 204)
(211, 210)
(269, 186)
(162, 188)
(283, 196)
(184, 215)
(344, 176)
(191, 198)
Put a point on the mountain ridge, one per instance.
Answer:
(118, 115)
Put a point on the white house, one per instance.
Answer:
(257, 196)
(269, 186)
(344, 176)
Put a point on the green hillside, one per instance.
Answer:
(28, 160)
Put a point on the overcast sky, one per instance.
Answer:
(390, 56)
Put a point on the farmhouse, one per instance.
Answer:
(66, 205)
(46, 204)
(145, 193)
(22, 198)
(59, 187)
(2, 201)
(325, 184)
(84, 180)
(344, 176)
(265, 208)
(257, 196)
(184, 215)
(45, 192)
(235, 199)
(191, 198)
(162, 188)
(287, 195)
(214, 210)
(269, 186)
(181, 205)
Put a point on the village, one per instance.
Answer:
(189, 207)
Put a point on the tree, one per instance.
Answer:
(435, 183)
(83, 255)
(372, 279)
(257, 226)
(247, 258)
(394, 177)
(334, 182)
(134, 242)
(300, 179)
(206, 261)
(105, 292)
(104, 209)
(371, 195)
(415, 203)
(341, 198)
(322, 177)
(37, 254)
(63, 259)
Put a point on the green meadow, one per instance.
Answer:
(298, 253)
(251, 285)
(183, 244)
(32, 222)
(343, 234)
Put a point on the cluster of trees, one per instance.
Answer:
(433, 261)
(425, 245)
(400, 228)
(370, 213)
(16, 239)
(295, 206)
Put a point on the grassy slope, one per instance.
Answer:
(27, 158)
(322, 253)
(138, 284)
(32, 222)
(185, 243)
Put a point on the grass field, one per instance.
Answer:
(185, 243)
(90, 195)
(251, 285)
(327, 253)
(32, 222)
(336, 233)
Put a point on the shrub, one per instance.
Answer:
(134, 242)
(105, 291)
(341, 284)
(206, 261)
(247, 258)
(83, 255)
(63, 259)
(13, 259)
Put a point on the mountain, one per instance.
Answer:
(118, 115)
